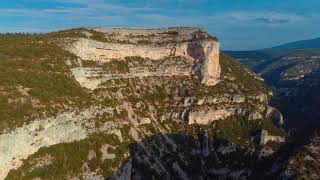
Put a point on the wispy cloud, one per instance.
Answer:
(264, 17)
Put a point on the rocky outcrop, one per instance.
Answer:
(191, 44)
(274, 114)
(205, 117)
(151, 36)
(265, 137)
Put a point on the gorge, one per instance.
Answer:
(95, 103)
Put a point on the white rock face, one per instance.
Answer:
(86, 78)
(92, 78)
(211, 69)
(203, 52)
(99, 51)
(17, 145)
(67, 127)
(205, 117)
(105, 154)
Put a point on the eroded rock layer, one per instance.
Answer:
(192, 44)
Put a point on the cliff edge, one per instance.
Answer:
(197, 48)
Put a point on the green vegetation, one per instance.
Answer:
(159, 95)
(113, 66)
(249, 84)
(34, 78)
(116, 65)
(239, 130)
(75, 33)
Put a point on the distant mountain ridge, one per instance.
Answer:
(303, 44)
(256, 60)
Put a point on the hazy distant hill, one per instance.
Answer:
(304, 44)
(293, 71)
(254, 59)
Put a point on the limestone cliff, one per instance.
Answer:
(192, 44)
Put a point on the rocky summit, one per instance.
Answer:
(93, 103)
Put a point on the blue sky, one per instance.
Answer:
(239, 24)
